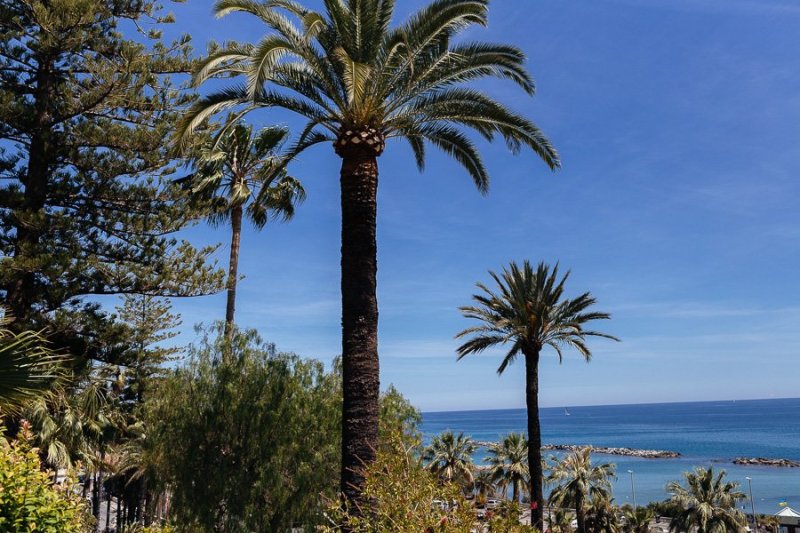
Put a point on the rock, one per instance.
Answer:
(763, 461)
(629, 452)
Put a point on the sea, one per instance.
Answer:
(707, 434)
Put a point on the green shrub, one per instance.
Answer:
(405, 497)
(29, 501)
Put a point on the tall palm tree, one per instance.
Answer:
(708, 503)
(359, 81)
(449, 456)
(577, 483)
(508, 462)
(530, 312)
(242, 173)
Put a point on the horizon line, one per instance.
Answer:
(728, 400)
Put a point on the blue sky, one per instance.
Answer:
(677, 123)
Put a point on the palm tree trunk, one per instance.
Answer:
(233, 269)
(360, 366)
(98, 489)
(579, 515)
(534, 438)
(108, 512)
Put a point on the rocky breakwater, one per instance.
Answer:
(628, 452)
(763, 461)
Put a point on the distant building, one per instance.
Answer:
(789, 520)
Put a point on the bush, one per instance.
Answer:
(29, 501)
(249, 443)
(405, 497)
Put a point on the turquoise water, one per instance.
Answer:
(705, 433)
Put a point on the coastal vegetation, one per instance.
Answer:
(449, 457)
(580, 485)
(28, 500)
(360, 82)
(707, 503)
(529, 311)
(108, 153)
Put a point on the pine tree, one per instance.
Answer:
(150, 322)
(86, 202)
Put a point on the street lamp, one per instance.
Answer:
(633, 490)
(752, 503)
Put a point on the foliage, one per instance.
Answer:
(347, 69)
(405, 497)
(508, 464)
(86, 206)
(29, 501)
(638, 520)
(244, 169)
(399, 418)
(483, 485)
(707, 502)
(578, 484)
(560, 520)
(449, 457)
(506, 519)
(28, 368)
(602, 514)
(529, 311)
(249, 443)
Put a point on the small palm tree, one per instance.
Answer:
(530, 312)
(577, 483)
(483, 485)
(638, 520)
(708, 503)
(508, 462)
(559, 521)
(602, 514)
(358, 81)
(242, 173)
(449, 456)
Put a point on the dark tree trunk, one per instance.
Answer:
(580, 517)
(97, 496)
(28, 218)
(361, 379)
(534, 438)
(108, 513)
(119, 512)
(233, 273)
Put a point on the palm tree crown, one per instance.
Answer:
(245, 169)
(529, 311)
(449, 456)
(508, 463)
(357, 80)
(708, 503)
(577, 482)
